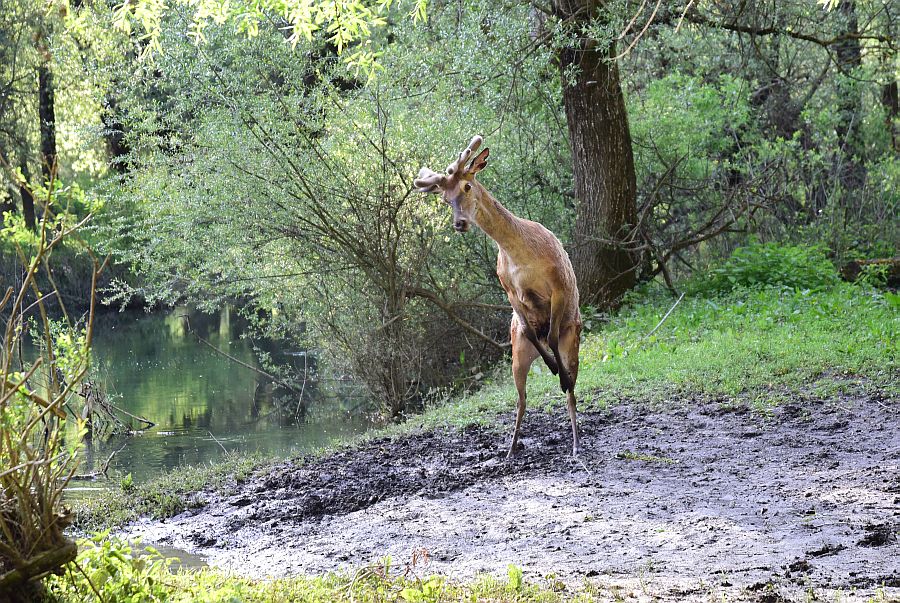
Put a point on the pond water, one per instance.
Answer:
(201, 402)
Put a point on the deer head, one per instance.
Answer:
(457, 186)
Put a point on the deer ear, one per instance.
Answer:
(429, 181)
(479, 162)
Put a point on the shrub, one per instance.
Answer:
(770, 264)
(38, 450)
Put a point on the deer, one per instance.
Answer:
(534, 270)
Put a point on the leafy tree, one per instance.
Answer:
(262, 173)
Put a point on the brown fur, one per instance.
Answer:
(534, 270)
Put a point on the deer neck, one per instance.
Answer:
(500, 224)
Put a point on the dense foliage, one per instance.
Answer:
(264, 155)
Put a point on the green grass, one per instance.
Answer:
(164, 496)
(745, 347)
(746, 344)
(117, 571)
(754, 347)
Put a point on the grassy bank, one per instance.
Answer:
(113, 570)
(753, 347)
(756, 347)
(164, 496)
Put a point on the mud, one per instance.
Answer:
(694, 502)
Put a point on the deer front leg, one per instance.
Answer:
(557, 311)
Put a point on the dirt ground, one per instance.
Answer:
(690, 503)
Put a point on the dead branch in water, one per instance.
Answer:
(255, 369)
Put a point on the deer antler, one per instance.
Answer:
(427, 180)
(464, 156)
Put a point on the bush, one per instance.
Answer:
(40, 443)
(770, 264)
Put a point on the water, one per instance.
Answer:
(201, 402)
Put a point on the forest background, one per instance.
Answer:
(261, 155)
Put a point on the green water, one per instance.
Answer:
(200, 401)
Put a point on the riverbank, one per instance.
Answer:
(747, 448)
(699, 500)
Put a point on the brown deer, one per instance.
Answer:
(534, 270)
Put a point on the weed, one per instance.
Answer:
(647, 458)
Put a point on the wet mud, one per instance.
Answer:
(692, 502)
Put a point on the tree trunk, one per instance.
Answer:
(851, 171)
(890, 99)
(8, 197)
(605, 186)
(47, 115)
(27, 197)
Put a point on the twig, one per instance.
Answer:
(216, 440)
(105, 466)
(659, 324)
(583, 465)
(147, 422)
(90, 582)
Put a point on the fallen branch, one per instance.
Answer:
(104, 468)
(38, 566)
(660, 323)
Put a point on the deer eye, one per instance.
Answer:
(467, 187)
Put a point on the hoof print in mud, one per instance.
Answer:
(879, 535)
(203, 540)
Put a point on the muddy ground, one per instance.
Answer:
(690, 503)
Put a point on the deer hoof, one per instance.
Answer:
(514, 450)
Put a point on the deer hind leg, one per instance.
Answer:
(558, 302)
(569, 344)
(523, 355)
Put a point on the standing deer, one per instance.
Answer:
(534, 270)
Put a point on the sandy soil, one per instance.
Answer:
(690, 503)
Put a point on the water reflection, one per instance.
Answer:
(155, 366)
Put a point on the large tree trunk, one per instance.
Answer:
(605, 187)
